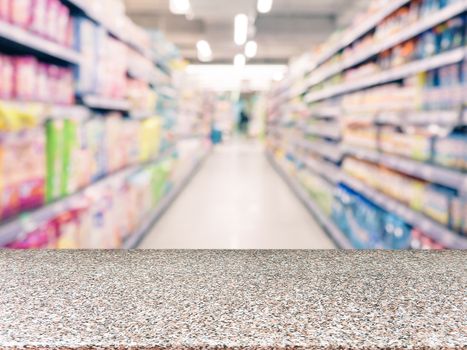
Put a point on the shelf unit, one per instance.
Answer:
(353, 35)
(436, 231)
(325, 108)
(18, 36)
(11, 229)
(155, 72)
(429, 172)
(99, 18)
(394, 74)
(408, 33)
(333, 231)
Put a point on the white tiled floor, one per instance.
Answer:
(237, 201)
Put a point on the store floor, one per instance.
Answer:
(237, 201)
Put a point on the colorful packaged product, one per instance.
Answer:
(39, 238)
(5, 10)
(55, 149)
(20, 12)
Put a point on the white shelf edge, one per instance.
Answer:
(333, 135)
(98, 102)
(142, 114)
(316, 167)
(413, 30)
(440, 117)
(360, 30)
(324, 221)
(35, 42)
(334, 156)
(440, 60)
(50, 110)
(435, 230)
(429, 172)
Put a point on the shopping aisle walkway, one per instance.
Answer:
(237, 201)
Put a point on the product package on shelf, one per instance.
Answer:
(24, 78)
(111, 66)
(49, 19)
(103, 217)
(366, 225)
(22, 158)
(143, 99)
(104, 66)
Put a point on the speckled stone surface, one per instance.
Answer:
(233, 299)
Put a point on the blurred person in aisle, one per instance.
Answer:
(244, 122)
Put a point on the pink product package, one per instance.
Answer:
(41, 236)
(53, 11)
(63, 19)
(66, 86)
(6, 77)
(25, 77)
(39, 17)
(57, 83)
(43, 91)
(5, 10)
(21, 12)
(69, 33)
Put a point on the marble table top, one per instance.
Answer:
(233, 299)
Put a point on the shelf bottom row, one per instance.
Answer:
(356, 216)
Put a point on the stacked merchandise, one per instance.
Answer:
(49, 19)
(224, 116)
(196, 111)
(376, 126)
(75, 171)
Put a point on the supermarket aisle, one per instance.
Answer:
(237, 201)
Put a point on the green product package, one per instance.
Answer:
(160, 179)
(69, 143)
(54, 149)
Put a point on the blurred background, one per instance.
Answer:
(248, 124)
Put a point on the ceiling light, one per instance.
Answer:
(251, 48)
(180, 7)
(241, 29)
(264, 6)
(278, 76)
(204, 51)
(239, 60)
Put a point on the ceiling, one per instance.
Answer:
(291, 28)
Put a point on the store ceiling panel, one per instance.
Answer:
(292, 26)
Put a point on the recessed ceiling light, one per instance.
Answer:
(264, 6)
(251, 48)
(241, 29)
(180, 7)
(204, 51)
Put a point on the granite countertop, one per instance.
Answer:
(233, 299)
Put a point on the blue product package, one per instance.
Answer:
(342, 201)
(397, 234)
(365, 223)
(85, 42)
